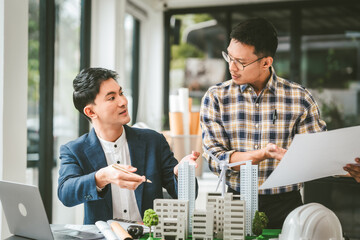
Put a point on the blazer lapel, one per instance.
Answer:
(97, 159)
(137, 149)
(94, 151)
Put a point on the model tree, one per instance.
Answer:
(259, 223)
(150, 219)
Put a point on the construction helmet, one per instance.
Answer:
(312, 221)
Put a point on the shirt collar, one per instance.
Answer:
(271, 84)
(113, 146)
(243, 87)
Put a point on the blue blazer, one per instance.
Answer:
(80, 159)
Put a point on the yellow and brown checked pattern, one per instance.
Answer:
(234, 118)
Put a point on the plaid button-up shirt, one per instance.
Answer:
(234, 118)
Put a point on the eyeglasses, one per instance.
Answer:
(237, 63)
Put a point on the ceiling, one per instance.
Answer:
(318, 17)
(315, 20)
(181, 4)
(340, 20)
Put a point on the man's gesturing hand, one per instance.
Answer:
(273, 151)
(191, 158)
(109, 174)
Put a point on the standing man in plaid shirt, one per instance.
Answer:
(255, 115)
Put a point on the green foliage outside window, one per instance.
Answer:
(33, 52)
(181, 52)
(335, 119)
(331, 68)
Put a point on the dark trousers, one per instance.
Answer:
(277, 206)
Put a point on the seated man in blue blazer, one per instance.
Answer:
(86, 172)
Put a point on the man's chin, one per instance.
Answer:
(126, 120)
(237, 81)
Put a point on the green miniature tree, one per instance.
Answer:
(150, 219)
(259, 223)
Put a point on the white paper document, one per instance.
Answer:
(316, 155)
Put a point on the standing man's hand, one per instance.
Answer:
(257, 156)
(354, 169)
(109, 174)
(191, 158)
(273, 151)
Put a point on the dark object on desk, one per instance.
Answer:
(342, 196)
(120, 231)
(135, 231)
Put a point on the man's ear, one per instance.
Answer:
(268, 61)
(88, 111)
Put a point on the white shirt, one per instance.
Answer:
(123, 200)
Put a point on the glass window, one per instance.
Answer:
(132, 48)
(330, 61)
(67, 66)
(127, 83)
(196, 60)
(197, 42)
(33, 95)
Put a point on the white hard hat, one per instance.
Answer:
(312, 221)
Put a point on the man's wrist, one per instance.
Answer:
(263, 154)
(99, 189)
(99, 182)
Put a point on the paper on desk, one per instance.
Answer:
(84, 228)
(70, 231)
(316, 155)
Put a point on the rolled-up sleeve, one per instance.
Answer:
(310, 121)
(215, 139)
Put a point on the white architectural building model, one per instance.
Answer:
(249, 192)
(171, 208)
(226, 216)
(203, 224)
(215, 201)
(234, 218)
(186, 187)
(174, 228)
(229, 215)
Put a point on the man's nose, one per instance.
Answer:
(232, 65)
(122, 101)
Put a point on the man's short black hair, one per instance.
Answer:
(257, 32)
(87, 85)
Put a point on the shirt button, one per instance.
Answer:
(118, 162)
(257, 104)
(256, 146)
(125, 211)
(257, 125)
(115, 146)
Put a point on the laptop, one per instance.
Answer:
(26, 217)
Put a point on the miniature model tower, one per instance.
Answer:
(203, 224)
(216, 202)
(249, 192)
(168, 210)
(234, 217)
(186, 188)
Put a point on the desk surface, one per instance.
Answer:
(84, 228)
(67, 231)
